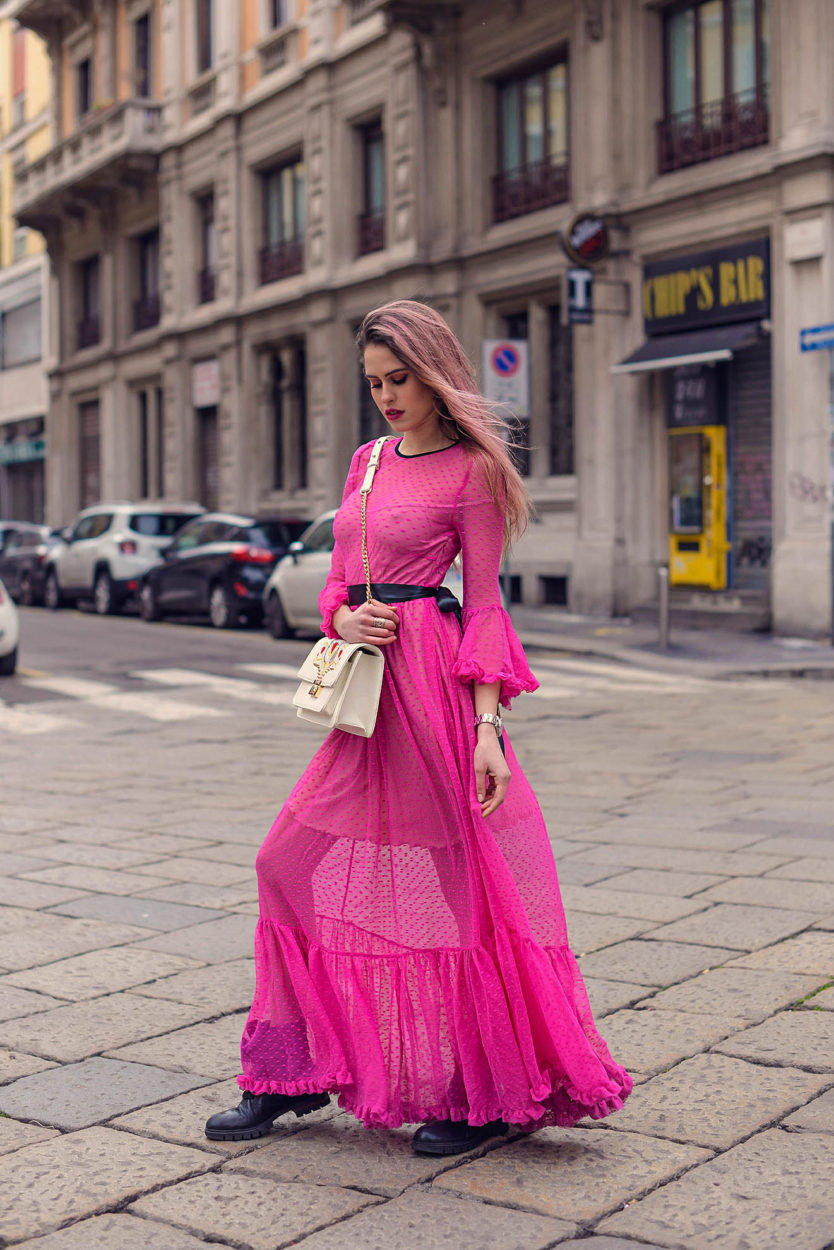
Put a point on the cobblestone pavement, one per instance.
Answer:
(692, 825)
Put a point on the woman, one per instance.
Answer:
(411, 951)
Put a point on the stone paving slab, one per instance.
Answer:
(199, 871)
(219, 988)
(16, 1002)
(573, 1174)
(653, 963)
(14, 1064)
(342, 1152)
(795, 846)
(589, 932)
(234, 853)
(432, 1219)
(827, 924)
(770, 1192)
(14, 1134)
(94, 856)
(102, 880)
(598, 1243)
(574, 873)
(822, 1001)
(648, 1041)
(12, 864)
(16, 919)
(87, 1028)
(208, 897)
(80, 1094)
(33, 894)
(809, 869)
(115, 1232)
(803, 1039)
(815, 1117)
(182, 1120)
(147, 913)
(207, 1049)
(767, 892)
(811, 953)
(49, 938)
(732, 924)
(714, 1101)
(671, 834)
(743, 992)
(607, 996)
(98, 972)
(23, 843)
(157, 844)
(629, 903)
(215, 941)
(724, 863)
(77, 1174)
(257, 1213)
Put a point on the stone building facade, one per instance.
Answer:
(230, 187)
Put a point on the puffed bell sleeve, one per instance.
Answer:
(490, 650)
(335, 592)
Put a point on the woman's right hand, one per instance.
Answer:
(363, 624)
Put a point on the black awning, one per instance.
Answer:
(692, 347)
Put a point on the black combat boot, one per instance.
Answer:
(253, 1115)
(453, 1137)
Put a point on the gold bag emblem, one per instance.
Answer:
(326, 660)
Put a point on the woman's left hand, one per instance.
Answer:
(492, 774)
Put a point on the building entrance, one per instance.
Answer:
(698, 540)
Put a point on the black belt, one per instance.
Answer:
(391, 592)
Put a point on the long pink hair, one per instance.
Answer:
(421, 339)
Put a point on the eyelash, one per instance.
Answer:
(397, 382)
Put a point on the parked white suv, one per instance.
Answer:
(108, 547)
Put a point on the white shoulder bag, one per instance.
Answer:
(341, 681)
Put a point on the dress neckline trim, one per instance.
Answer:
(417, 454)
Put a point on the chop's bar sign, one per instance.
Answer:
(708, 288)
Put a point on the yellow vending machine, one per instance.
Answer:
(699, 548)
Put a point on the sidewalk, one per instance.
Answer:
(715, 652)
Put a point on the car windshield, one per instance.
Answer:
(158, 524)
(270, 534)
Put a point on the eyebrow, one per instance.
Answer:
(390, 373)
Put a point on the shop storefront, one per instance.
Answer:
(707, 331)
(22, 456)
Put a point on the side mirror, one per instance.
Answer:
(66, 534)
(295, 549)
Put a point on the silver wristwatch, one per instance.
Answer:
(492, 719)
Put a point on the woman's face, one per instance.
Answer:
(404, 401)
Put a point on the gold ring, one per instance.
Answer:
(379, 622)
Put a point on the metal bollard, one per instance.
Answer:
(663, 606)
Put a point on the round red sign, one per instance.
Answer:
(586, 239)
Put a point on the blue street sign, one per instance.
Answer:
(816, 338)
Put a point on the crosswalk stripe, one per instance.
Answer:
(276, 670)
(232, 687)
(110, 698)
(22, 720)
(619, 674)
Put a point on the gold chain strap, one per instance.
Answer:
(365, 561)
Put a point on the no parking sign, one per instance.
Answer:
(506, 374)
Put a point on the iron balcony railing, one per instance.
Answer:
(371, 233)
(719, 128)
(89, 332)
(146, 312)
(205, 285)
(529, 188)
(281, 260)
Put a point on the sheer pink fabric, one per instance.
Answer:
(411, 954)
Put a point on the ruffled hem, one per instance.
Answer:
(500, 1031)
(490, 651)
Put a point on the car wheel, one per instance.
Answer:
(276, 621)
(52, 596)
(148, 605)
(8, 663)
(222, 612)
(25, 593)
(103, 597)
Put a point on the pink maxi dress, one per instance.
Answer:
(410, 953)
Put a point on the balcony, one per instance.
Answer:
(371, 233)
(114, 146)
(45, 17)
(205, 286)
(281, 260)
(89, 332)
(145, 313)
(419, 14)
(716, 129)
(529, 188)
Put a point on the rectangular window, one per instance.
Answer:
(277, 13)
(207, 249)
(716, 81)
(282, 251)
(532, 156)
(89, 453)
(205, 35)
(18, 77)
(560, 393)
(142, 56)
(20, 335)
(289, 418)
(83, 88)
(160, 441)
(208, 463)
(144, 445)
(371, 224)
(147, 307)
(89, 321)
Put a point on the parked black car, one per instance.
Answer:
(218, 564)
(24, 548)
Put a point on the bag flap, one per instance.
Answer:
(328, 657)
